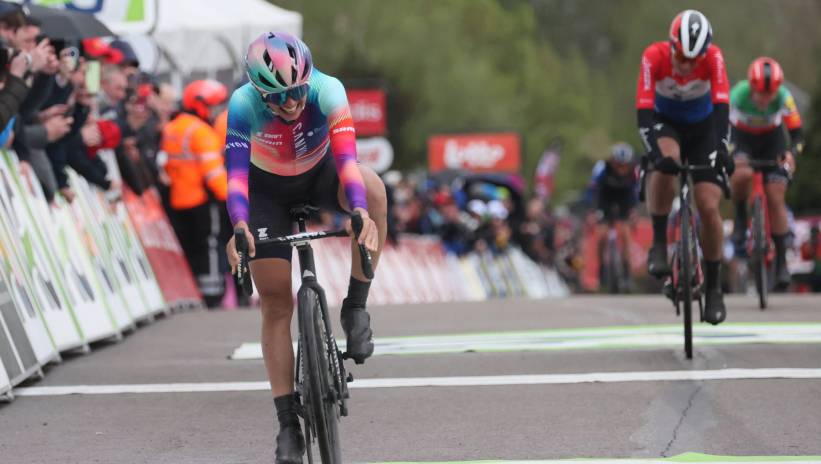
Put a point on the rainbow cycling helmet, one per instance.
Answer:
(278, 62)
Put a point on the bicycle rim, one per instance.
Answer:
(324, 408)
(685, 280)
(760, 253)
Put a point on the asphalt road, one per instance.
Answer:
(512, 420)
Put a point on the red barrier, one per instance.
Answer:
(161, 246)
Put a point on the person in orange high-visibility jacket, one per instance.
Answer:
(221, 126)
(198, 182)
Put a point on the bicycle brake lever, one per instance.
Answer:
(364, 254)
(243, 274)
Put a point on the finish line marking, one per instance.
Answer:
(469, 381)
(627, 337)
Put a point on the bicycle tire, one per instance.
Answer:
(685, 279)
(324, 407)
(613, 284)
(759, 254)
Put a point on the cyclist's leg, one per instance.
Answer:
(740, 184)
(660, 196)
(776, 182)
(707, 193)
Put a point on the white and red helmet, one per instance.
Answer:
(690, 34)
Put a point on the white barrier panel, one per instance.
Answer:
(83, 283)
(19, 359)
(28, 317)
(91, 212)
(58, 237)
(34, 257)
(5, 382)
(139, 262)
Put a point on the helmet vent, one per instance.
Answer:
(265, 81)
(280, 79)
(292, 52)
(267, 59)
(305, 69)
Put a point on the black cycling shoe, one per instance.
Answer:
(657, 265)
(714, 310)
(356, 322)
(782, 276)
(290, 445)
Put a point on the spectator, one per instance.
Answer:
(195, 167)
(114, 85)
(811, 251)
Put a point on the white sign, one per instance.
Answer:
(375, 152)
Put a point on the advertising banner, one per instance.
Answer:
(368, 111)
(475, 152)
(375, 153)
(162, 249)
(34, 258)
(121, 16)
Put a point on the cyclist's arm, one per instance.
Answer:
(645, 99)
(208, 150)
(792, 119)
(238, 157)
(334, 104)
(720, 92)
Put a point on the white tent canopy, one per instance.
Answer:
(206, 36)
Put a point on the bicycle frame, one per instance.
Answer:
(684, 202)
(757, 192)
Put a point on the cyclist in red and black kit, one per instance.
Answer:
(682, 102)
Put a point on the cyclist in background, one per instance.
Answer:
(760, 107)
(614, 188)
(291, 140)
(682, 104)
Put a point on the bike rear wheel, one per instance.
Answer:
(685, 279)
(321, 396)
(759, 253)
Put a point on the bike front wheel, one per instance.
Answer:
(321, 396)
(759, 253)
(685, 279)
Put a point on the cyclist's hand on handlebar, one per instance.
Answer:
(370, 234)
(231, 248)
(788, 162)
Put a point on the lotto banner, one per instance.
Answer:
(161, 247)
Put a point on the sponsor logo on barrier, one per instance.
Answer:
(262, 233)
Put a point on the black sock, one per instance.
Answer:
(659, 229)
(741, 214)
(357, 294)
(712, 271)
(780, 242)
(286, 410)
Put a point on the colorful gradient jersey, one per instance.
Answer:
(747, 116)
(257, 136)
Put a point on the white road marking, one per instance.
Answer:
(587, 338)
(468, 381)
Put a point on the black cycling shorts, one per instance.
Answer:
(616, 204)
(767, 146)
(696, 143)
(271, 197)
